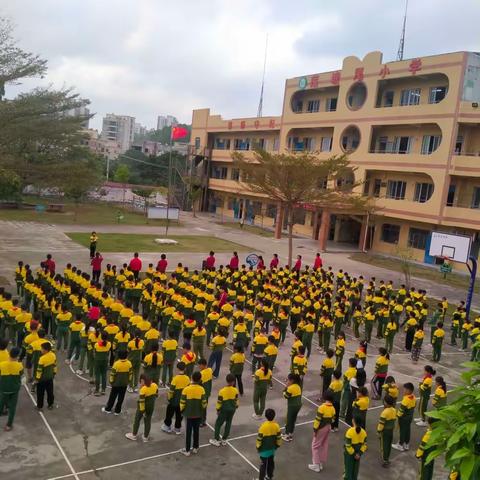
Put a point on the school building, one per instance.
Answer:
(411, 129)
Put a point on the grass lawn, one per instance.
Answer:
(91, 213)
(248, 228)
(453, 279)
(125, 242)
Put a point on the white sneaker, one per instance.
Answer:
(286, 437)
(194, 451)
(183, 451)
(104, 410)
(406, 447)
(79, 372)
(116, 414)
(422, 423)
(214, 442)
(145, 439)
(398, 447)
(129, 389)
(166, 429)
(130, 436)
(256, 417)
(418, 419)
(223, 442)
(315, 467)
(178, 431)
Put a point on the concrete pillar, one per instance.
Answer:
(279, 222)
(324, 230)
(315, 224)
(361, 240)
(338, 226)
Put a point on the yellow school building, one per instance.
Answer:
(411, 130)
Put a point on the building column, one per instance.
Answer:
(338, 226)
(362, 244)
(279, 222)
(315, 224)
(324, 229)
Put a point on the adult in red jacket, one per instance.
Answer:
(135, 265)
(261, 263)
(298, 264)
(274, 262)
(96, 264)
(162, 264)
(210, 261)
(49, 264)
(318, 263)
(234, 261)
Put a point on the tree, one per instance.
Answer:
(292, 179)
(456, 431)
(39, 137)
(145, 193)
(406, 256)
(122, 175)
(10, 185)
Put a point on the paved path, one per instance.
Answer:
(30, 242)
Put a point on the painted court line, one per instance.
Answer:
(55, 439)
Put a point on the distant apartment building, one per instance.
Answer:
(109, 149)
(119, 129)
(165, 121)
(80, 112)
(410, 128)
(139, 129)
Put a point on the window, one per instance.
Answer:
(313, 106)
(377, 185)
(271, 210)
(410, 96)
(451, 195)
(276, 143)
(476, 197)
(298, 106)
(402, 145)
(326, 145)
(331, 105)
(219, 172)
(235, 174)
(423, 192)
(437, 94)
(430, 143)
(197, 142)
(390, 233)
(459, 145)
(366, 188)
(382, 145)
(222, 144)
(417, 238)
(259, 143)
(242, 144)
(388, 98)
(257, 208)
(298, 144)
(396, 189)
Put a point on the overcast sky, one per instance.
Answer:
(149, 57)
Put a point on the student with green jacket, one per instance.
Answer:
(11, 372)
(120, 377)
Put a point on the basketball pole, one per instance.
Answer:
(471, 288)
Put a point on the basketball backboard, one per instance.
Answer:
(454, 247)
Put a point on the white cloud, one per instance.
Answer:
(148, 57)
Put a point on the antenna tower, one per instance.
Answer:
(402, 38)
(260, 103)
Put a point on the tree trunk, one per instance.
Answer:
(290, 236)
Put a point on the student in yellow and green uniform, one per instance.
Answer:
(417, 344)
(237, 363)
(120, 377)
(293, 394)
(307, 335)
(121, 339)
(385, 427)
(425, 390)
(27, 347)
(76, 328)
(207, 376)
(188, 358)
(335, 392)
(93, 338)
(437, 341)
(101, 352)
(455, 327)
(390, 331)
(211, 324)
(178, 383)
(326, 370)
(360, 406)
(357, 319)
(426, 470)
(241, 335)
(192, 404)
(339, 351)
(405, 417)
(145, 406)
(227, 404)
(135, 350)
(151, 338)
(261, 383)
(326, 332)
(439, 399)
(169, 350)
(381, 371)
(198, 340)
(11, 371)
(271, 352)
(355, 447)
(369, 319)
(62, 321)
(466, 327)
(347, 391)
(152, 364)
(44, 375)
(390, 388)
(268, 441)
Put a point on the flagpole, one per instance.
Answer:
(169, 182)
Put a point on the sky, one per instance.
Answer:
(150, 57)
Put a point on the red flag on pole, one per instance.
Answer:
(179, 132)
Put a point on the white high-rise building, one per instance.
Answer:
(165, 121)
(119, 128)
(80, 112)
(140, 129)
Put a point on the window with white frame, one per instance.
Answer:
(437, 94)
(313, 106)
(430, 143)
(423, 192)
(410, 96)
(396, 189)
(326, 145)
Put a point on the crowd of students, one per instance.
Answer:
(128, 328)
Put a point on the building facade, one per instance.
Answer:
(411, 130)
(109, 149)
(165, 121)
(119, 129)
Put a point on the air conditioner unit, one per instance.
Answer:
(475, 104)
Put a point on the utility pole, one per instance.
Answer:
(260, 103)
(402, 38)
